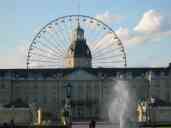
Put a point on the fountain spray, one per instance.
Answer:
(122, 108)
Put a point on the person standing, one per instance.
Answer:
(92, 124)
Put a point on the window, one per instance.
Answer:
(35, 99)
(53, 88)
(44, 99)
(2, 74)
(157, 85)
(2, 86)
(35, 87)
(26, 98)
(167, 96)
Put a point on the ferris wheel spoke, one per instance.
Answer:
(75, 21)
(60, 38)
(45, 66)
(51, 48)
(57, 43)
(40, 54)
(44, 61)
(74, 24)
(107, 65)
(44, 56)
(63, 35)
(113, 63)
(52, 45)
(67, 32)
(110, 62)
(95, 41)
(98, 42)
(71, 28)
(106, 50)
(91, 25)
(104, 46)
(96, 29)
(92, 41)
(43, 51)
(103, 57)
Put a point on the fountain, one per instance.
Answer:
(122, 107)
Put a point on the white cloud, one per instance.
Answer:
(108, 18)
(103, 42)
(147, 30)
(129, 39)
(150, 22)
(151, 28)
(105, 17)
(153, 22)
(123, 33)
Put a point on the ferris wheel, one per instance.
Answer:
(49, 47)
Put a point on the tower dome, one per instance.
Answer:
(78, 54)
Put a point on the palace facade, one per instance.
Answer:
(91, 88)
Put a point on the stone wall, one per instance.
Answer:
(19, 115)
(161, 114)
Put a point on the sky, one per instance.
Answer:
(144, 27)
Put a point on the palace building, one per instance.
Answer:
(90, 88)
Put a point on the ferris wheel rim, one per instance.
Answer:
(76, 15)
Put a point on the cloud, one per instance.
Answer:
(127, 38)
(150, 22)
(104, 42)
(130, 39)
(151, 28)
(123, 33)
(107, 17)
(153, 22)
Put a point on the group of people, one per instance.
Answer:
(92, 124)
(8, 125)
